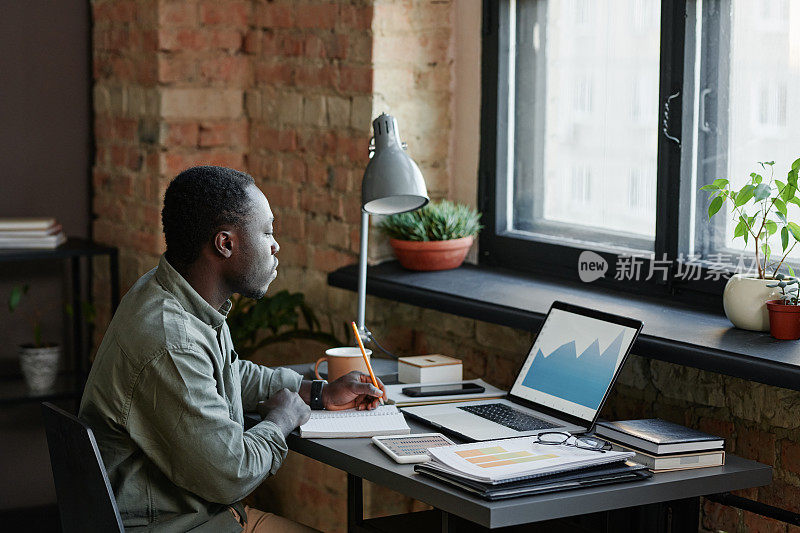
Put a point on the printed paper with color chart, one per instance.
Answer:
(498, 460)
(496, 456)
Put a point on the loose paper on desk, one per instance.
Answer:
(505, 460)
(385, 420)
(395, 394)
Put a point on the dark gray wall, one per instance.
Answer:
(44, 110)
(44, 171)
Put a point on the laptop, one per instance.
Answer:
(561, 386)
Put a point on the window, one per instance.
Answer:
(582, 90)
(749, 67)
(601, 120)
(641, 189)
(769, 104)
(645, 15)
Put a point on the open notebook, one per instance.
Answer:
(385, 420)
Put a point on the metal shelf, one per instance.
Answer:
(69, 385)
(13, 390)
(74, 247)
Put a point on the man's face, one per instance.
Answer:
(255, 264)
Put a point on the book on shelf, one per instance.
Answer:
(657, 436)
(26, 223)
(674, 461)
(27, 233)
(32, 243)
(30, 233)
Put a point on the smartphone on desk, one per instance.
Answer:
(443, 390)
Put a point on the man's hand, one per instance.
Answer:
(353, 390)
(285, 409)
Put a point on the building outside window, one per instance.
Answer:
(604, 134)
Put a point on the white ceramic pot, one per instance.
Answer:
(39, 366)
(744, 301)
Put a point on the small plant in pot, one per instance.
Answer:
(256, 324)
(760, 210)
(784, 313)
(436, 237)
(38, 360)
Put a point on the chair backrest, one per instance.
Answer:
(85, 499)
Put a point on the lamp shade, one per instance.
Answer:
(392, 181)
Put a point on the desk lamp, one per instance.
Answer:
(392, 184)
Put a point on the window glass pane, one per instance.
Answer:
(583, 120)
(751, 75)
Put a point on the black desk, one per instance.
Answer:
(668, 502)
(679, 490)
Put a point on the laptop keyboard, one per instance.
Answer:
(506, 416)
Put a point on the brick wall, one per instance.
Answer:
(286, 91)
(169, 83)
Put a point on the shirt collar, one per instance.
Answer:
(190, 300)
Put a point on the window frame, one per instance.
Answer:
(558, 257)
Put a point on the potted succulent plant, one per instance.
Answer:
(436, 237)
(38, 360)
(759, 209)
(784, 313)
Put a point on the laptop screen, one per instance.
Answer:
(573, 362)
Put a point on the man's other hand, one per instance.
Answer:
(285, 409)
(353, 390)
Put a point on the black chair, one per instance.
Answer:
(85, 499)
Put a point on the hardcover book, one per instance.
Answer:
(676, 461)
(658, 436)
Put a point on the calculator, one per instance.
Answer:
(411, 448)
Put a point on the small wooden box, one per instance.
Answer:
(433, 368)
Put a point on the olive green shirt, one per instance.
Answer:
(165, 399)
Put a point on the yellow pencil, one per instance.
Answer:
(366, 359)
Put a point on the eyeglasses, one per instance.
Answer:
(558, 438)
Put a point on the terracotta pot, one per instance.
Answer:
(743, 301)
(784, 320)
(431, 255)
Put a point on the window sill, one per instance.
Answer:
(694, 338)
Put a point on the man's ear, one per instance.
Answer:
(224, 243)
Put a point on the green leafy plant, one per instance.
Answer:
(760, 209)
(255, 324)
(789, 294)
(15, 299)
(439, 221)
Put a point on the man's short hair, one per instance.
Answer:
(197, 204)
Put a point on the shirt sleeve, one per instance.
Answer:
(183, 424)
(260, 382)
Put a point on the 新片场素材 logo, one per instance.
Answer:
(591, 266)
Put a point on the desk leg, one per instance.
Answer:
(79, 358)
(683, 515)
(355, 503)
(448, 523)
(677, 516)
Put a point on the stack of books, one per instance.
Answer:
(509, 468)
(30, 233)
(663, 446)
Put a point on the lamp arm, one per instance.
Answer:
(362, 274)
